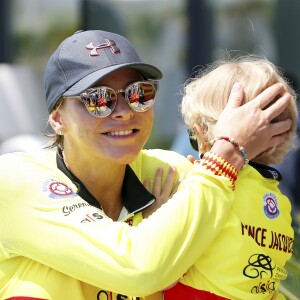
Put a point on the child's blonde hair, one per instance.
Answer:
(206, 95)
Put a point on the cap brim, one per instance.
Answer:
(149, 71)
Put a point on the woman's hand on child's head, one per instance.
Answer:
(251, 124)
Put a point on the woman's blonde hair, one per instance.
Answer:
(205, 97)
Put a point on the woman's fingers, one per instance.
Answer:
(280, 127)
(278, 106)
(268, 95)
(235, 97)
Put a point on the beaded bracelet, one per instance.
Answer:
(219, 166)
(235, 144)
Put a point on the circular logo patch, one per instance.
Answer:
(56, 189)
(271, 208)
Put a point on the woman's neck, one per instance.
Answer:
(103, 179)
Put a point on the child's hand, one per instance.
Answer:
(162, 192)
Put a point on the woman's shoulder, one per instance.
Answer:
(160, 158)
(162, 154)
(22, 162)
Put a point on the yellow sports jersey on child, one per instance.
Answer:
(247, 259)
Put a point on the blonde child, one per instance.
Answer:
(247, 259)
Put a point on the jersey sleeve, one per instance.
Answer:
(43, 218)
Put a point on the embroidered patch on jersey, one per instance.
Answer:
(271, 208)
(56, 189)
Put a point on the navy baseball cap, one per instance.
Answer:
(84, 58)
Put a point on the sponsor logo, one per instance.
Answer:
(271, 208)
(264, 288)
(95, 50)
(105, 295)
(55, 189)
(92, 218)
(268, 238)
(259, 266)
(68, 209)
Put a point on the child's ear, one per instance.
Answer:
(203, 143)
(193, 142)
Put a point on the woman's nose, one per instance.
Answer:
(122, 109)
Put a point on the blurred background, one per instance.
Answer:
(178, 36)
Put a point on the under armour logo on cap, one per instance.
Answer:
(109, 44)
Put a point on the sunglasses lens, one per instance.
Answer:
(141, 95)
(99, 102)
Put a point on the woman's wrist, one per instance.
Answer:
(217, 165)
(229, 152)
(225, 158)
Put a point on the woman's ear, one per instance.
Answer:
(55, 121)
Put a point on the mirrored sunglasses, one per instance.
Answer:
(100, 101)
